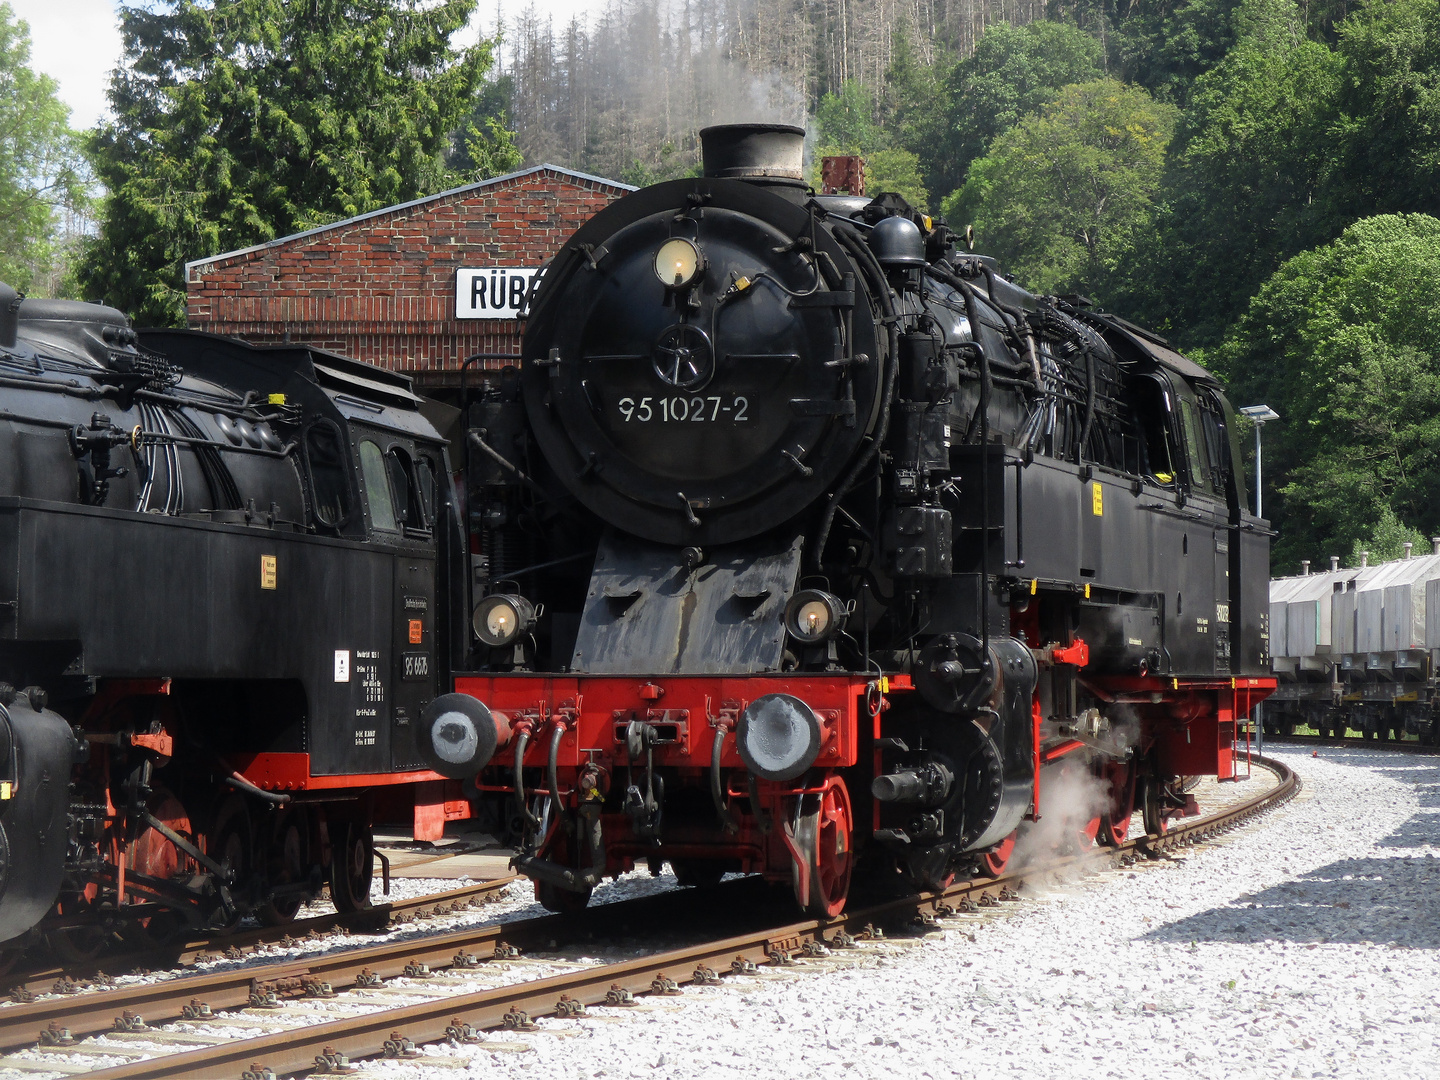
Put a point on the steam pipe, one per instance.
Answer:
(973, 315)
(530, 820)
(552, 771)
(863, 256)
(717, 793)
(898, 787)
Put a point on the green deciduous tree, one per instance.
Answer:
(1165, 46)
(237, 121)
(1061, 196)
(41, 169)
(1239, 195)
(846, 124)
(1012, 73)
(1343, 343)
(1386, 152)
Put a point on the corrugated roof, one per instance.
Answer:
(494, 180)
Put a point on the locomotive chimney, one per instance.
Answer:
(9, 316)
(1304, 567)
(1335, 562)
(760, 153)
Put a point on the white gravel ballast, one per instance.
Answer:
(1304, 945)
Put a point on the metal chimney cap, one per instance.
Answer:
(1335, 559)
(1408, 545)
(1305, 567)
(1364, 559)
(764, 152)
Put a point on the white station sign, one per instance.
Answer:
(495, 292)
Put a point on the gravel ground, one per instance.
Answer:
(1299, 947)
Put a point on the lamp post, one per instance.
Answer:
(1259, 414)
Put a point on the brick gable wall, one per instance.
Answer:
(382, 288)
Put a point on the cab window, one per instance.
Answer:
(328, 468)
(1153, 402)
(1196, 450)
(378, 495)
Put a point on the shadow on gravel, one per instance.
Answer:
(1354, 900)
(1378, 899)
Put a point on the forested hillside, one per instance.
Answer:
(1217, 169)
(1255, 179)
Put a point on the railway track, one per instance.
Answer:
(24, 982)
(451, 987)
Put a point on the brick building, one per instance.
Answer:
(408, 287)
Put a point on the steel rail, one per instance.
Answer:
(92, 1012)
(365, 1036)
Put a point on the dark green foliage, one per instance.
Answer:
(1387, 126)
(239, 121)
(1244, 171)
(1012, 74)
(1166, 46)
(1342, 342)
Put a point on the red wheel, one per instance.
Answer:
(1086, 834)
(994, 861)
(1113, 829)
(1115, 821)
(824, 836)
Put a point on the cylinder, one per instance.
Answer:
(898, 787)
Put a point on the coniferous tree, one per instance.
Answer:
(238, 121)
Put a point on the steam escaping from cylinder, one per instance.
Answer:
(1070, 798)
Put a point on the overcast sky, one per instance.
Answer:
(78, 43)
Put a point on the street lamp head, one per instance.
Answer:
(1259, 413)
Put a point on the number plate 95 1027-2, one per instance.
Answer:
(416, 665)
(685, 409)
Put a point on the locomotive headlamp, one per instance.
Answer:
(502, 618)
(778, 737)
(812, 616)
(678, 262)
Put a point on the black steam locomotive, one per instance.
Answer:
(812, 540)
(803, 541)
(219, 621)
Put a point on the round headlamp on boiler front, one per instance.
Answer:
(501, 619)
(678, 263)
(813, 616)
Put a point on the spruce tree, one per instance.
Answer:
(239, 121)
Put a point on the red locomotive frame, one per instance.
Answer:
(1189, 727)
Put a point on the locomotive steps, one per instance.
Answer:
(428, 1006)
